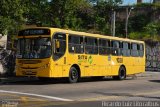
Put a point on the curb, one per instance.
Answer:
(148, 74)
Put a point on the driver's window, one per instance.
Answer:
(59, 45)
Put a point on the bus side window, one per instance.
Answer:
(141, 50)
(115, 48)
(70, 44)
(104, 47)
(76, 44)
(91, 46)
(59, 45)
(126, 49)
(134, 50)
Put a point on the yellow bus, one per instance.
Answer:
(45, 52)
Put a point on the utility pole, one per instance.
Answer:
(114, 22)
(127, 17)
(126, 24)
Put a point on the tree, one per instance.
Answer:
(152, 29)
(37, 11)
(11, 16)
(66, 13)
(103, 14)
(145, 25)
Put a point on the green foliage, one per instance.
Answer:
(66, 12)
(36, 11)
(158, 28)
(144, 25)
(11, 16)
(150, 32)
(138, 22)
(103, 10)
(151, 28)
(139, 35)
(102, 26)
(83, 15)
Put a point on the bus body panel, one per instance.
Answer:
(39, 68)
(89, 64)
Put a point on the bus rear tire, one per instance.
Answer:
(121, 74)
(73, 75)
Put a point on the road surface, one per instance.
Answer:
(32, 92)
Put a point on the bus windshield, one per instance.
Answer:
(32, 48)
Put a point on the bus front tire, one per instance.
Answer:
(73, 75)
(121, 74)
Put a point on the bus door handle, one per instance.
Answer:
(64, 60)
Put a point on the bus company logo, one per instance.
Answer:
(82, 59)
(90, 60)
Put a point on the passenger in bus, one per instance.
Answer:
(46, 50)
(34, 54)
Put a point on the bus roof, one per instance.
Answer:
(53, 30)
(94, 35)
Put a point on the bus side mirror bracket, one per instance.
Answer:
(56, 45)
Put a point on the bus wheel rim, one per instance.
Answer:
(74, 75)
(122, 73)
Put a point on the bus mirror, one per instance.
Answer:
(57, 44)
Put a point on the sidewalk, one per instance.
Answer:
(148, 74)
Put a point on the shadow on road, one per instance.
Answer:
(157, 81)
(36, 81)
(31, 81)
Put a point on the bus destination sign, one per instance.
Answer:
(28, 32)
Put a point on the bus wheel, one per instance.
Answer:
(121, 75)
(73, 75)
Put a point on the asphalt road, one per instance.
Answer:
(30, 92)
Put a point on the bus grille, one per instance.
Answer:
(29, 68)
(29, 61)
(29, 73)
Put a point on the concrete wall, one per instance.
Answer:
(152, 56)
(3, 41)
